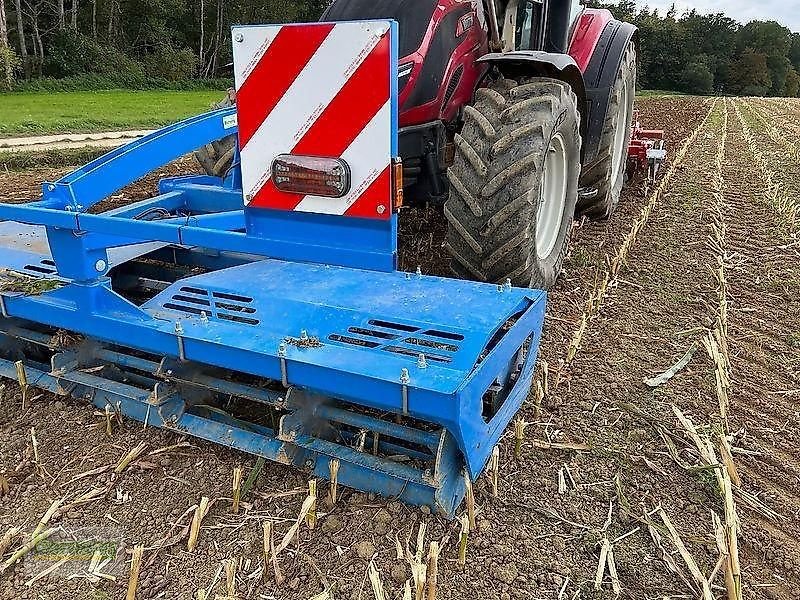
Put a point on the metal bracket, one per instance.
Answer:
(3, 310)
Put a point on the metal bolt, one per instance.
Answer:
(248, 197)
(169, 372)
(508, 284)
(281, 349)
(303, 335)
(408, 275)
(404, 378)
(499, 287)
(178, 327)
(309, 464)
(419, 272)
(51, 188)
(421, 362)
(381, 209)
(239, 38)
(100, 266)
(204, 317)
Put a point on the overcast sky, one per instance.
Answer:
(787, 12)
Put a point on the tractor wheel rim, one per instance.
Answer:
(621, 134)
(552, 197)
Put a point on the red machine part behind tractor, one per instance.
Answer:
(515, 115)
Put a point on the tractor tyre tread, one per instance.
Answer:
(496, 176)
(597, 175)
(216, 158)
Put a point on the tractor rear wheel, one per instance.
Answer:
(606, 174)
(216, 158)
(514, 183)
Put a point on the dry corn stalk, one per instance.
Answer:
(470, 498)
(230, 577)
(602, 563)
(130, 457)
(46, 572)
(35, 446)
(433, 570)
(687, 557)
(46, 517)
(334, 469)
(287, 539)
(108, 420)
(8, 539)
(238, 474)
(25, 548)
(721, 539)
(375, 581)
(22, 378)
(727, 459)
(133, 578)
(462, 540)
(420, 541)
(267, 545)
(612, 571)
(275, 567)
(519, 436)
(311, 517)
(732, 536)
(577, 337)
(495, 470)
(781, 201)
(197, 520)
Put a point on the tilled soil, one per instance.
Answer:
(601, 454)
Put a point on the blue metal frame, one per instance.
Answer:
(326, 326)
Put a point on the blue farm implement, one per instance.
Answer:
(263, 310)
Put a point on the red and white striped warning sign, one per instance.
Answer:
(318, 89)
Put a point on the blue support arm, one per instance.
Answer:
(111, 172)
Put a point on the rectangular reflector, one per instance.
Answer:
(311, 175)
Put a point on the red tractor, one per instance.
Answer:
(515, 115)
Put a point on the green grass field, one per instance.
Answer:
(28, 113)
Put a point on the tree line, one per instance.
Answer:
(706, 54)
(132, 42)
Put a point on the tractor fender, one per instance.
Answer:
(535, 63)
(600, 75)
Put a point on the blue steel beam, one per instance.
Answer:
(108, 174)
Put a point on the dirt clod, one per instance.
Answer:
(364, 549)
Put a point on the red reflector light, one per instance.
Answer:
(313, 175)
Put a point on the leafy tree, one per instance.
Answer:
(792, 84)
(714, 36)
(697, 77)
(794, 51)
(750, 74)
(774, 41)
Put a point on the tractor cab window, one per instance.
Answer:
(528, 31)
